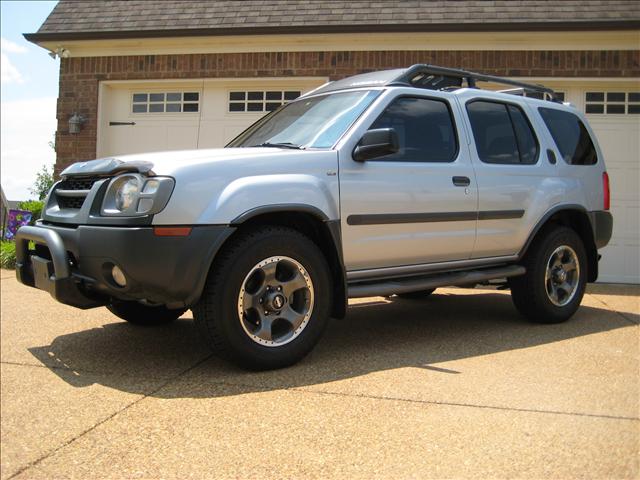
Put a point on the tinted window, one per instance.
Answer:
(502, 133)
(425, 130)
(571, 136)
(527, 144)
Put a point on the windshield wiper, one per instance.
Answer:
(280, 145)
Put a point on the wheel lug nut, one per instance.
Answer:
(261, 300)
(279, 288)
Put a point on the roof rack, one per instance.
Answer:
(437, 78)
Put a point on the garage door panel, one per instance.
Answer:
(619, 139)
(212, 126)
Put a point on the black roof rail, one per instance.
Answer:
(434, 77)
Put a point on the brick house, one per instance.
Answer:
(155, 75)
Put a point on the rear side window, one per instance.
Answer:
(571, 136)
(502, 133)
(425, 130)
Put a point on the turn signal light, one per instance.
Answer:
(171, 231)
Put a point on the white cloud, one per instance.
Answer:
(8, 46)
(27, 128)
(8, 71)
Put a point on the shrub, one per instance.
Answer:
(34, 206)
(8, 254)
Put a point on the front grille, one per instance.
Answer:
(71, 202)
(77, 183)
(82, 185)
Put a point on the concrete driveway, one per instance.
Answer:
(457, 385)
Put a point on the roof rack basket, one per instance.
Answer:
(433, 77)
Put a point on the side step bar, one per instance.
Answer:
(450, 279)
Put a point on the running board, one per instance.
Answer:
(451, 279)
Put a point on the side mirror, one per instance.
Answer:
(376, 143)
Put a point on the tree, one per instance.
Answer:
(44, 182)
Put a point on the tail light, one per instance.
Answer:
(606, 190)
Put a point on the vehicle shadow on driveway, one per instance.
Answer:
(375, 336)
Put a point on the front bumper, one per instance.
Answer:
(74, 264)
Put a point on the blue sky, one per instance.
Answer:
(39, 72)
(28, 93)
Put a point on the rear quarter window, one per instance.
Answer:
(502, 133)
(571, 136)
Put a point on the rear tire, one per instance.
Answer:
(267, 299)
(419, 295)
(136, 313)
(553, 286)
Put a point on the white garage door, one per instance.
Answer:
(614, 115)
(145, 116)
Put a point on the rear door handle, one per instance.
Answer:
(461, 181)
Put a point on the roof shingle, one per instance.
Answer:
(97, 18)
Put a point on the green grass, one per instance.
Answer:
(8, 255)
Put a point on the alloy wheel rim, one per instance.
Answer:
(562, 276)
(275, 301)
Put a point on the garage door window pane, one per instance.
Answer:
(236, 107)
(570, 135)
(165, 102)
(615, 97)
(611, 103)
(612, 108)
(260, 101)
(634, 109)
(594, 108)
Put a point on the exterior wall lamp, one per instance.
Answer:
(75, 123)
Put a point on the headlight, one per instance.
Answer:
(132, 195)
(127, 193)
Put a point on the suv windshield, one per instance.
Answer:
(316, 122)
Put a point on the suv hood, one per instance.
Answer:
(167, 163)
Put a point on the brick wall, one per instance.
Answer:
(80, 77)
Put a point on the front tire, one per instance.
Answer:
(553, 286)
(139, 314)
(267, 299)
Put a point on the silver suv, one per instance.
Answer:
(387, 183)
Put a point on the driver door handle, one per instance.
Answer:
(461, 181)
